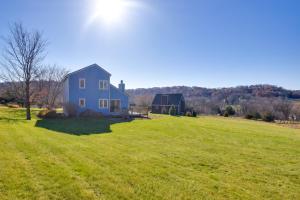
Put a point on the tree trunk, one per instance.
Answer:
(27, 101)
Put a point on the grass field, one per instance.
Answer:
(162, 158)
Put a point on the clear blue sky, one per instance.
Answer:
(209, 43)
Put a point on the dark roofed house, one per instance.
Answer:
(162, 103)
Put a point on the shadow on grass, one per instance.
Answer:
(79, 126)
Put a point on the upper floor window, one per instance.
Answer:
(82, 102)
(82, 83)
(103, 84)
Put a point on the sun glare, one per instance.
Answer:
(110, 11)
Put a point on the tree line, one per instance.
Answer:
(264, 102)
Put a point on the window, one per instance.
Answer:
(103, 103)
(164, 100)
(115, 105)
(82, 83)
(103, 84)
(82, 102)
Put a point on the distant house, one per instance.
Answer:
(90, 88)
(162, 103)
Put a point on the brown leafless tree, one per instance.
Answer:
(284, 107)
(143, 100)
(22, 57)
(52, 85)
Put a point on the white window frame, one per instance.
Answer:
(81, 106)
(104, 81)
(99, 103)
(82, 79)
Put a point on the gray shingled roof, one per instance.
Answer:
(93, 65)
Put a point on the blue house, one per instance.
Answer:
(90, 88)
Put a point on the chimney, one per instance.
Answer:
(122, 86)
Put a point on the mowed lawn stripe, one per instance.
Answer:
(162, 158)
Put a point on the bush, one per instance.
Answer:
(188, 114)
(229, 110)
(88, 113)
(48, 114)
(164, 110)
(268, 117)
(253, 116)
(249, 116)
(71, 109)
(194, 114)
(257, 115)
(172, 110)
(191, 114)
(226, 114)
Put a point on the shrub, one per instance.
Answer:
(88, 113)
(229, 110)
(48, 114)
(268, 117)
(164, 110)
(226, 114)
(194, 114)
(191, 114)
(249, 116)
(188, 114)
(253, 116)
(257, 115)
(71, 109)
(172, 110)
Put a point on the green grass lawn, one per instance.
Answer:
(162, 158)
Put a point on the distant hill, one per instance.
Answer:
(232, 94)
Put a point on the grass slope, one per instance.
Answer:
(163, 158)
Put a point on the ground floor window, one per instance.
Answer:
(82, 102)
(103, 103)
(115, 105)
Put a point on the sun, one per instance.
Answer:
(110, 11)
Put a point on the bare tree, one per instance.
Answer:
(22, 57)
(143, 100)
(284, 107)
(52, 85)
(296, 112)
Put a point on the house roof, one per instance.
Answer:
(90, 66)
(173, 99)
